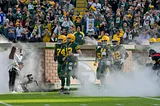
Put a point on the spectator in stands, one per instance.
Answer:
(96, 4)
(5, 27)
(59, 17)
(11, 33)
(2, 17)
(68, 7)
(67, 23)
(79, 35)
(10, 15)
(46, 35)
(25, 35)
(53, 38)
(90, 23)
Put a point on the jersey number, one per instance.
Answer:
(70, 50)
(59, 51)
(116, 55)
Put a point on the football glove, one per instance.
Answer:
(95, 63)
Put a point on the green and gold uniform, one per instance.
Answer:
(102, 55)
(72, 60)
(79, 38)
(60, 53)
(119, 54)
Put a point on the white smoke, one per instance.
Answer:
(32, 65)
(4, 76)
(141, 81)
(3, 39)
(90, 41)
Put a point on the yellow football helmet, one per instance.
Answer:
(62, 39)
(105, 38)
(71, 37)
(158, 39)
(152, 40)
(115, 41)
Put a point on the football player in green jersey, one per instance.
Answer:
(103, 57)
(74, 51)
(59, 55)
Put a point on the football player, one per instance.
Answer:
(59, 55)
(73, 51)
(103, 58)
(119, 54)
(156, 58)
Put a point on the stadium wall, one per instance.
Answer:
(50, 67)
(88, 55)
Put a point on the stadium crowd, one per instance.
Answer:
(43, 20)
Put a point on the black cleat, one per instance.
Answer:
(67, 92)
(61, 91)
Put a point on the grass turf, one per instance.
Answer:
(55, 99)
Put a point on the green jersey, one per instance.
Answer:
(118, 52)
(79, 38)
(60, 52)
(102, 52)
(72, 47)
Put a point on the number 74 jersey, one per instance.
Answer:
(60, 52)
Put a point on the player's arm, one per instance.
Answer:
(98, 55)
(78, 50)
(124, 54)
(83, 37)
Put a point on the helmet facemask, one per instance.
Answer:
(69, 40)
(60, 41)
(115, 43)
(151, 52)
(104, 42)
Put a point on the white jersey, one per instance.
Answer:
(90, 22)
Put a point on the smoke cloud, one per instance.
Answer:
(32, 65)
(4, 76)
(140, 81)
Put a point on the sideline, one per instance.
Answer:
(151, 98)
(5, 103)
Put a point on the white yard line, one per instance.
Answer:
(151, 98)
(5, 103)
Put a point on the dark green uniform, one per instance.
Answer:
(60, 53)
(79, 38)
(102, 55)
(72, 60)
(118, 53)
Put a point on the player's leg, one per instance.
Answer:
(98, 73)
(62, 79)
(68, 83)
(69, 68)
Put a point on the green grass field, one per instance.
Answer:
(55, 99)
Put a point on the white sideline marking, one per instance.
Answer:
(151, 98)
(5, 103)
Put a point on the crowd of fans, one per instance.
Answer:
(44, 20)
